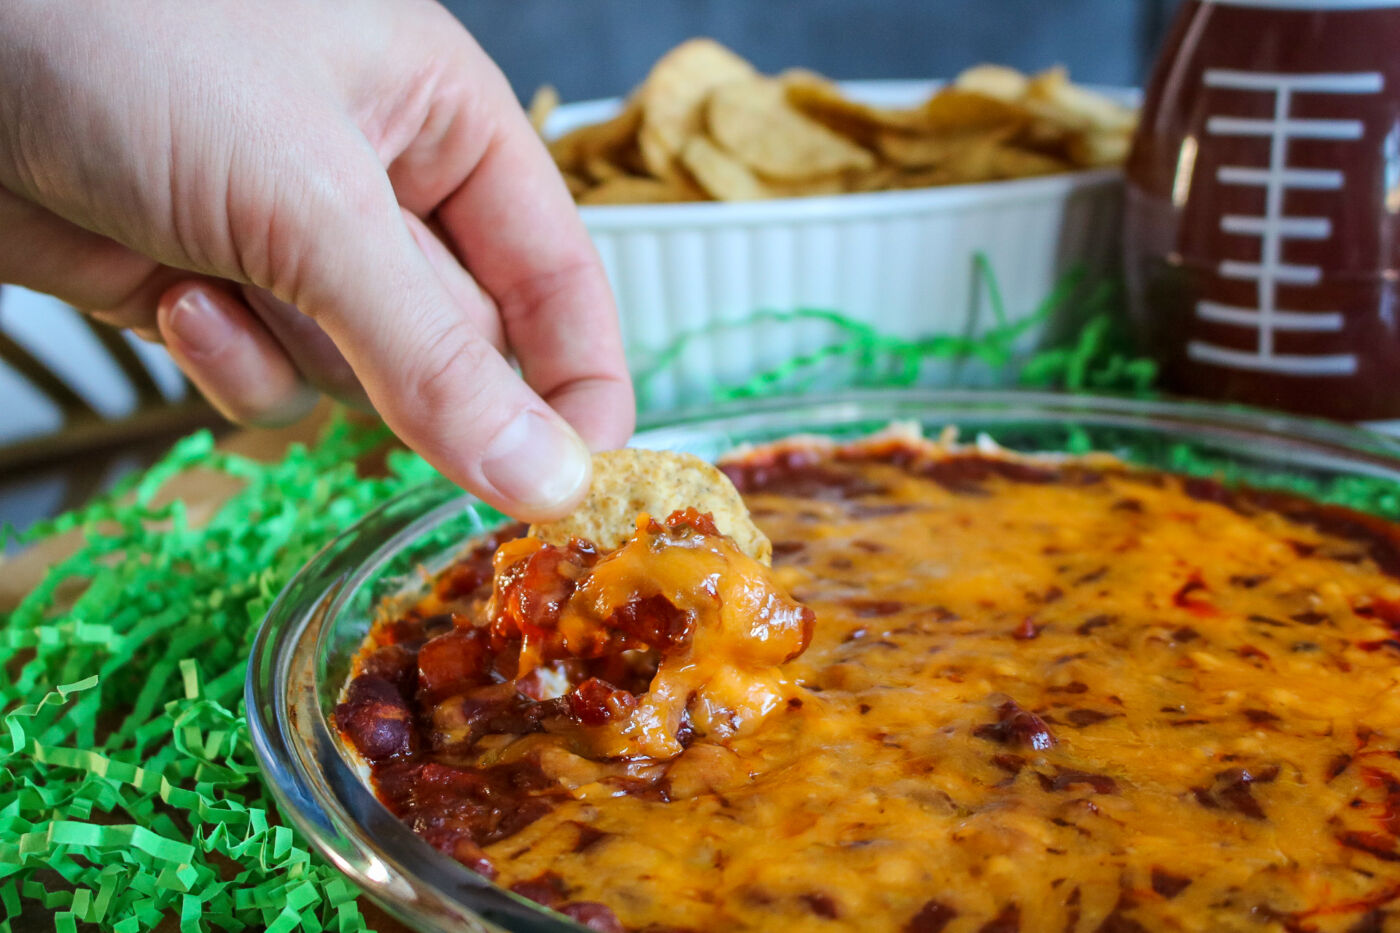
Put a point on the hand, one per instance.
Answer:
(340, 193)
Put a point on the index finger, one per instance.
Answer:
(514, 224)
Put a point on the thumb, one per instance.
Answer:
(435, 378)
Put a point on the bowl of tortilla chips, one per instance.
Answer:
(714, 191)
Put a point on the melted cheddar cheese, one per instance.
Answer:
(716, 621)
(1037, 697)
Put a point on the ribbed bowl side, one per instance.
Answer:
(909, 273)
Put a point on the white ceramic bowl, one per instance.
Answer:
(899, 260)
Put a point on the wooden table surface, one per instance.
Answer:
(202, 493)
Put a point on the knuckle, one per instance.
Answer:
(295, 248)
(540, 292)
(350, 189)
(448, 380)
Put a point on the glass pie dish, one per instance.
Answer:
(303, 652)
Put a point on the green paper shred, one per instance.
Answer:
(128, 789)
(1098, 358)
(129, 793)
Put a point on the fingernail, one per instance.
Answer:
(199, 324)
(536, 461)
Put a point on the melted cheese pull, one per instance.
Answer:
(678, 598)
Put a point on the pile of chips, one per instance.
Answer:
(706, 125)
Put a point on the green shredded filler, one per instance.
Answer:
(858, 354)
(129, 794)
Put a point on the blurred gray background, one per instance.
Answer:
(602, 48)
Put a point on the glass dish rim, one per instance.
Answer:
(348, 826)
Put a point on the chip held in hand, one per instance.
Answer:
(629, 482)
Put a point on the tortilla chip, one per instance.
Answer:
(1045, 133)
(810, 187)
(571, 150)
(722, 176)
(992, 162)
(600, 168)
(921, 178)
(1012, 162)
(628, 189)
(1099, 149)
(673, 96)
(823, 101)
(879, 178)
(997, 81)
(629, 482)
(655, 152)
(628, 157)
(544, 102)
(754, 122)
(929, 150)
(972, 164)
(1076, 107)
(955, 111)
(577, 185)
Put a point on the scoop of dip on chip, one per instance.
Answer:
(644, 620)
(672, 635)
(651, 609)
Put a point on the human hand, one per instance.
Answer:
(343, 194)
